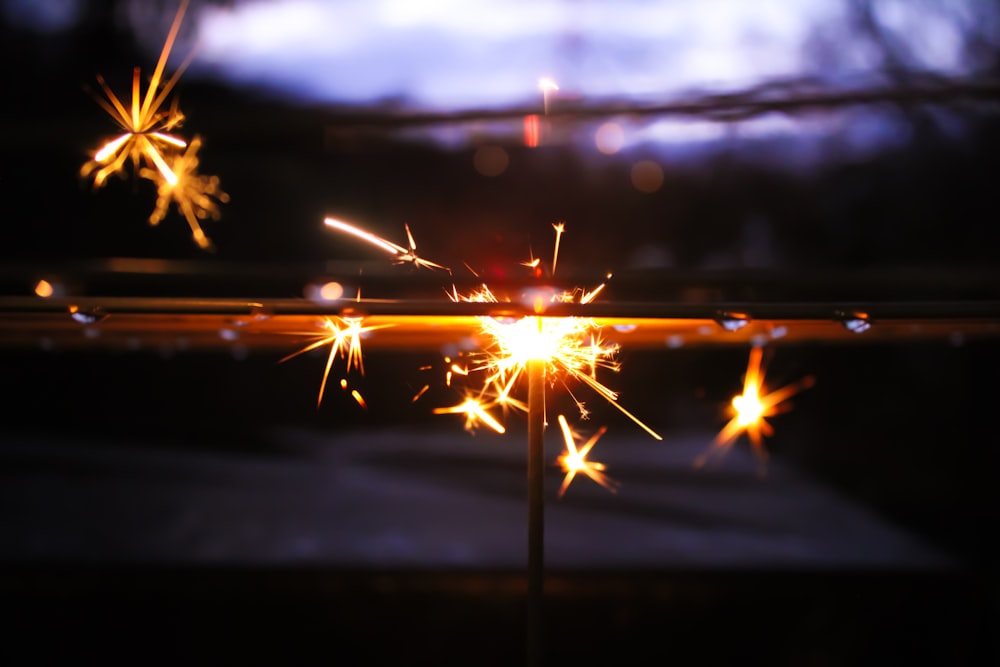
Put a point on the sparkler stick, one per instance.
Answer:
(536, 507)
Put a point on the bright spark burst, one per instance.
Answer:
(570, 347)
(749, 409)
(197, 196)
(574, 459)
(145, 125)
(401, 254)
(344, 339)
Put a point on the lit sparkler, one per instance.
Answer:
(568, 347)
(344, 339)
(574, 460)
(197, 196)
(401, 254)
(146, 126)
(750, 408)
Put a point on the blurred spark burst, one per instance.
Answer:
(154, 151)
(749, 409)
(197, 196)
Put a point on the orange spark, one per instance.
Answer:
(344, 340)
(574, 459)
(357, 397)
(474, 411)
(749, 409)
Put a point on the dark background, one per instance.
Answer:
(906, 427)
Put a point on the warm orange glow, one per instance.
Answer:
(574, 460)
(752, 406)
(402, 254)
(344, 339)
(44, 289)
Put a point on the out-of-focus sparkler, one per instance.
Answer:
(402, 255)
(547, 86)
(574, 459)
(344, 339)
(155, 153)
(749, 409)
(145, 124)
(197, 196)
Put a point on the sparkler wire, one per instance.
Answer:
(536, 508)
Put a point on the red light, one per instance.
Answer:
(531, 130)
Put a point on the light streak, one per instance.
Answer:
(574, 459)
(145, 125)
(402, 254)
(344, 339)
(750, 408)
(560, 227)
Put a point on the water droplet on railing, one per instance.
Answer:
(260, 313)
(732, 321)
(855, 321)
(91, 315)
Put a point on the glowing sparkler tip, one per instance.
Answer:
(547, 85)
